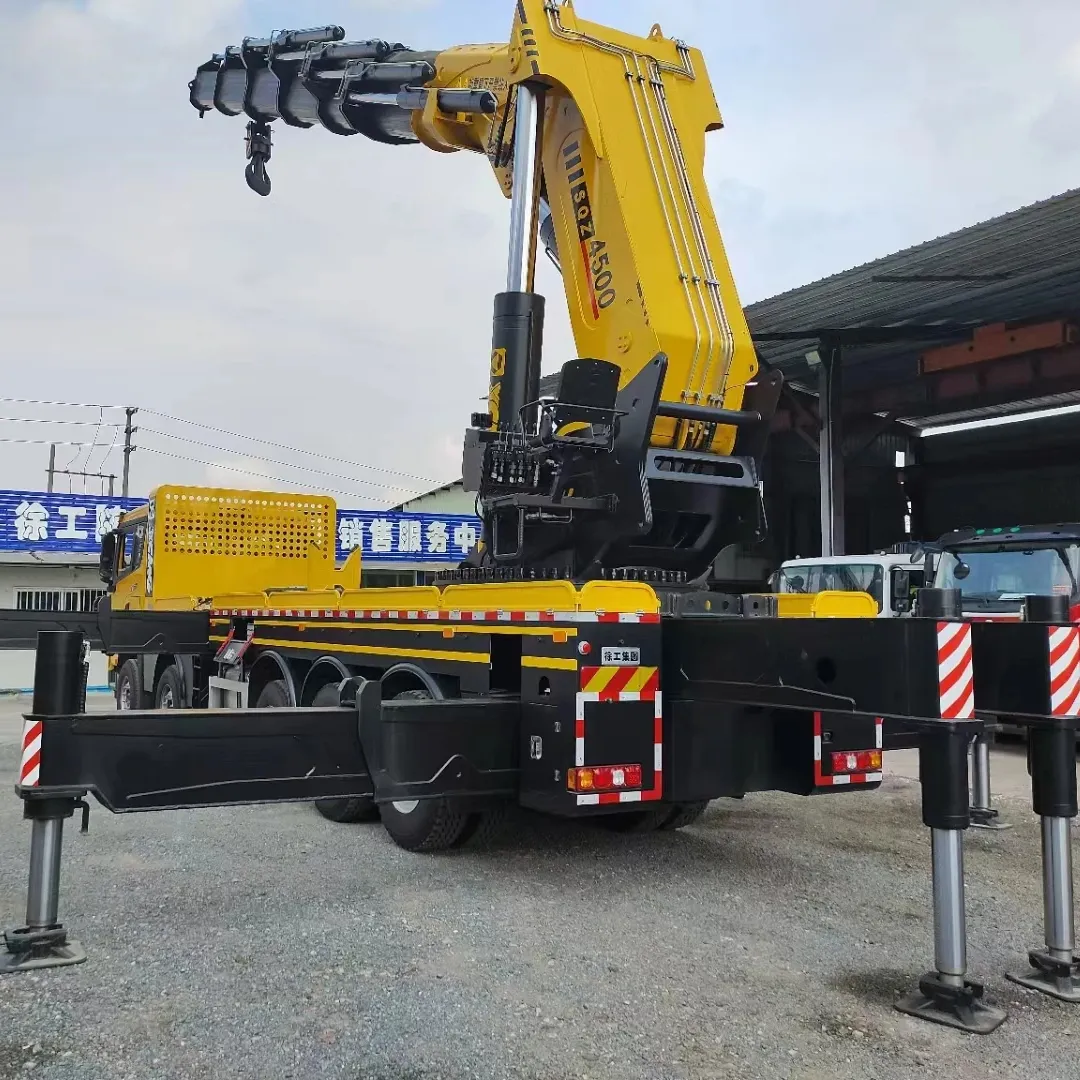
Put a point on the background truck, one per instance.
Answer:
(891, 580)
(995, 568)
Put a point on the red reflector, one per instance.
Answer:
(852, 761)
(604, 778)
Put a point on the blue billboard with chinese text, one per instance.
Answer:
(74, 524)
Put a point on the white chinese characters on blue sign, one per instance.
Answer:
(393, 537)
(75, 524)
(49, 522)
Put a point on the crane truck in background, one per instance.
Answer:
(575, 662)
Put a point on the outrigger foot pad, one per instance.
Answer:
(983, 818)
(28, 950)
(955, 1006)
(1050, 975)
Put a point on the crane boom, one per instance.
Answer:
(598, 139)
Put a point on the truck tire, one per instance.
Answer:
(484, 826)
(169, 692)
(423, 824)
(343, 810)
(274, 695)
(685, 814)
(129, 686)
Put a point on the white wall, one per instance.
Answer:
(17, 666)
(449, 500)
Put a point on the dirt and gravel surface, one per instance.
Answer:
(768, 941)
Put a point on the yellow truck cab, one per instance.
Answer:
(190, 545)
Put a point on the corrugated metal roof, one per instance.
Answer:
(988, 412)
(1022, 265)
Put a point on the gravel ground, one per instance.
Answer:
(768, 941)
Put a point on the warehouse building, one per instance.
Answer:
(886, 367)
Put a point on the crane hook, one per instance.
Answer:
(259, 144)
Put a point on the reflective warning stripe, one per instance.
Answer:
(649, 691)
(611, 683)
(1064, 649)
(30, 764)
(956, 678)
(441, 616)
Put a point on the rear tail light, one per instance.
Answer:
(856, 761)
(604, 778)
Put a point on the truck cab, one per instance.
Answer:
(995, 568)
(890, 579)
(121, 561)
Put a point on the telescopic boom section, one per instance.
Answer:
(622, 123)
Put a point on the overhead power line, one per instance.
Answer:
(286, 446)
(424, 481)
(245, 472)
(284, 464)
(57, 404)
(52, 442)
(46, 420)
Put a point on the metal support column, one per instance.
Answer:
(1055, 970)
(59, 690)
(945, 995)
(830, 449)
(525, 188)
(983, 815)
(518, 323)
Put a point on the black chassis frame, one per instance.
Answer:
(748, 703)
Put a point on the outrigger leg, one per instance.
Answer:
(1052, 763)
(59, 689)
(946, 995)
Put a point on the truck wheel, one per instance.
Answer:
(423, 824)
(685, 814)
(129, 687)
(484, 826)
(169, 693)
(274, 695)
(344, 810)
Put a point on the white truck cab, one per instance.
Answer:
(890, 578)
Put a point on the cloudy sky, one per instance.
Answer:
(348, 315)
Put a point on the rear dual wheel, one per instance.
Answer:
(347, 811)
(437, 824)
(275, 695)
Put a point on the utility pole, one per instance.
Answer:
(84, 476)
(52, 466)
(128, 448)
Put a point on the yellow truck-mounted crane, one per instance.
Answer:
(650, 456)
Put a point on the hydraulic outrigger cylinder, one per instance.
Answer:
(59, 689)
